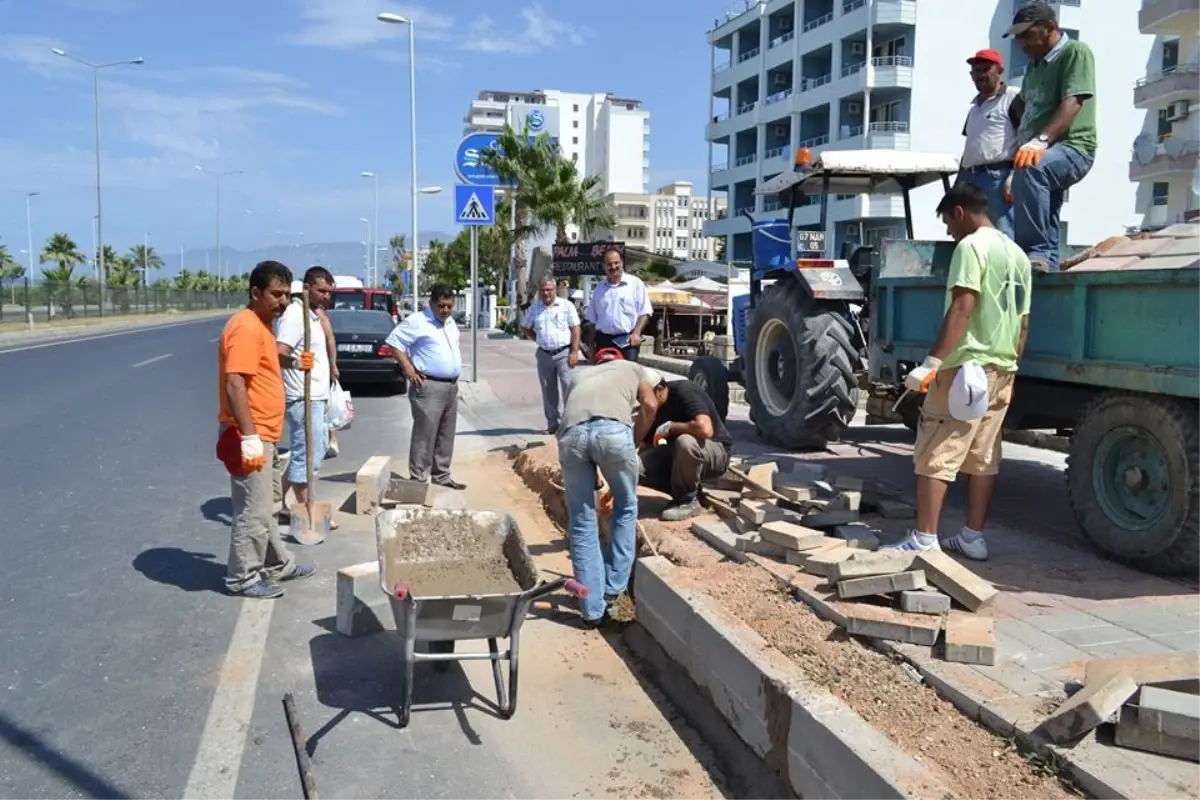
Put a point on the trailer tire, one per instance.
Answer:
(1133, 476)
(800, 369)
(711, 375)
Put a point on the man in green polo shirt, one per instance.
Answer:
(1057, 131)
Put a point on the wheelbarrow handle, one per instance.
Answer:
(401, 590)
(572, 586)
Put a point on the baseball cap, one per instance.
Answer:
(1030, 15)
(606, 354)
(969, 393)
(987, 55)
(229, 452)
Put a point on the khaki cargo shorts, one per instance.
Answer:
(947, 446)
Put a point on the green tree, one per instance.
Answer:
(564, 198)
(145, 258)
(61, 251)
(10, 271)
(658, 269)
(185, 280)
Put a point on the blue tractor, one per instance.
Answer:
(800, 332)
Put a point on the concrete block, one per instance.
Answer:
(666, 612)
(1088, 708)
(1168, 262)
(1172, 713)
(895, 509)
(882, 563)
(1131, 734)
(858, 535)
(797, 494)
(1139, 247)
(362, 607)
(1107, 263)
(791, 536)
(1156, 669)
(850, 483)
(971, 639)
(897, 626)
(741, 526)
(972, 591)
(727, 496)
(754, 511)
(763, 475)
(1180, 230)
(370, 483)
(1181, 247)
(924, 601)
(845, 500)
(720, 537)
(822, 562)
(880, 584)
(830, 519)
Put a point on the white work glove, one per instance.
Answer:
(253, 455)
(1030, 154)
(662, 432)
(919, 378)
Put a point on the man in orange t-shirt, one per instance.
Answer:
(250, 389)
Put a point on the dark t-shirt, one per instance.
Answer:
(685, 402)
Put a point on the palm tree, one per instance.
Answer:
(10, 271)
(145, 258)
(185, 280)
(62, 251)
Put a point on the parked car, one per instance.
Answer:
(361, 298)
(363, 355)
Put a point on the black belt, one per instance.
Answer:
(613, 335)
(436, 379)
(985, 167)
(554, 352)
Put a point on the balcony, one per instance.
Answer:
(742, 161)
(813, 24)
(815, 141)
(1172, 157)
(749, 54)
(775, 98)
(808, 84)
(780, 40)
(1169, 17)
(895, 12)
(1181, 82)
(773, 152)
(746, 108)
(892, 72)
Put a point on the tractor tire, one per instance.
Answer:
(1133, 476)
(711, 375)
(799, 368)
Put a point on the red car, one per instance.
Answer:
(365, 299)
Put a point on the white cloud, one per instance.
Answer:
(353, 23)
(539, 32)
(33, 52)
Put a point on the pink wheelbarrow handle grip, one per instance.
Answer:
(574, 587)
(401, 590)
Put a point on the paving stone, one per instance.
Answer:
(896, 626)
(1156, 619)
(1131, 734)
(1017, 678)
(1088, 708)
(1070, 620)
(797, 494)
(720, 537)
(1098, 635)
(1034, 649)
(857, 535)
(970, 639)
(895, 509)
(1156, 669)
(830, 519)
(822, 562)
(370, 483)
(791, 535)
(797, 557)
(850, 483)
(756, 544)
(1184, 642)
(361, 606)
(1136, 647)
(845, 500)
(1139, 247)
(964, 586)
(753, 511)
(924, 601)
(880, 584)
(1173, 713)
(763, 475)
(727, 496)
(866, 564)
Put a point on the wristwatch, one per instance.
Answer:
(1044, 139)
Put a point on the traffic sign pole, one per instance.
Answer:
(474, 304)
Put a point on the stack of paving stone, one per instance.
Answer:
(828, 528)
(1153, 699)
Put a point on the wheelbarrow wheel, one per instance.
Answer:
(441, 647)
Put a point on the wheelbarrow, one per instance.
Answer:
(430, 565)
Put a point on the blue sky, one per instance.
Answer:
(303, 95)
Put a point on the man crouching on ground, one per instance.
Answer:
(969, 373)
(598, 430)
(687, 444)
(250, 391)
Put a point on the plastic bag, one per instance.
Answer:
(341, 408)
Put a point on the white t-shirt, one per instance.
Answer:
(289, 330)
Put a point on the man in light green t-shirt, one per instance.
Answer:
(969, 373)
(1057, 134)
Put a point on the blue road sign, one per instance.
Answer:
(474, 205)
(466, 158)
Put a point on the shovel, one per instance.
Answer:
(310, 522)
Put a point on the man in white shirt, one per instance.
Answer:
(991, 134)
(553, 323)
(619, 308)
(289, 340)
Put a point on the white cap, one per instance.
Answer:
(969, 393)
(297, 287)
(652, 376)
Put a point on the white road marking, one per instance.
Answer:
(219, 757)
(152, 360)
(214, 339)
(76, 339)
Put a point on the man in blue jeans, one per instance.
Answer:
(990, 131)
(610, 409)
(1057, 131)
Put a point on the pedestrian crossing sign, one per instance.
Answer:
(474, 205)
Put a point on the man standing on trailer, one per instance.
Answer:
(969, 373)
(619, 308)
(1057, 131)
(553, 323)
(991, 136)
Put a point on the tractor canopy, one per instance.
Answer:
(861, 172)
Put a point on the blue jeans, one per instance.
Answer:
(606, 444)
(991, 181)
(1038, 198)
(296, 469)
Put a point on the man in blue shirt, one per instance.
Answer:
(425, 345)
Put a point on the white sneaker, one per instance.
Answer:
(972, 546)
(915, 542)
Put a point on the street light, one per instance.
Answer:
(218, 176)
(396, 19)
(103, 279)
(373, 267)
(29, 237)
(367, 246)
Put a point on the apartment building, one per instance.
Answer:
(668, 222)
(891, 74)
(1166, 153)
(606, 135)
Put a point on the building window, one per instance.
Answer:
(1159, 193)
(1170, 55)
(575, 108)
(575, 157)
(574, 123)
(574, 140)
(682, 201)
(681, 242)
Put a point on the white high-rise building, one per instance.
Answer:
(606, 135)
(668, 222)
(892, 74)
(1166, 153)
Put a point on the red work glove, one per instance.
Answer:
(1030, 154)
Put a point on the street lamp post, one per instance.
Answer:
(396, 19)
(367, 248)
(103, 279)
(373, 267)
(29, 238)
(218, 176)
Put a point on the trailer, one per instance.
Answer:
(1113, 357)
(800, 334)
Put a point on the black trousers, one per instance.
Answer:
(604, 340)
